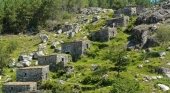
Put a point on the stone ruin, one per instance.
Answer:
(44, 38)
(17, 87)
(32, 74)
(118, 21)
(104, 34)
(91, 10)
(75, 49)
(55, 62)
(130, 10)
(142, 37)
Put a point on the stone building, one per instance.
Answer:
(130, 10)
(104, 35)
(140, 9)
(37, 91)
(55, 61)
(32, 74)
(118, 21)
(75, 49)
(16, 87)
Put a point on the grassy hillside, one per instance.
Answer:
(84, 79)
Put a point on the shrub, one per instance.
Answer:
(66, 15)
(122, 85)
(163, 34)
(12, 46)
(90, 80)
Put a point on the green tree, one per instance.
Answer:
(5, 51)
(122, 62)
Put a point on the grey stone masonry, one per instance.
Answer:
(75, 49)
(32, 74)
(37, 91)
(130, 10)
(104, 34)
(118, 21)
(55, 61)
(16, 87)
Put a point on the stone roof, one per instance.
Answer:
(34, 67)
(20, 83)
(54, 54)
(141, 27)
(76, 41)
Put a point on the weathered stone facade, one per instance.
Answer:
(75, 49)
(130, 10)
(119, 21)
(55, 61)
(140, 9)
(32, 74)
(104, 35)
(37, 91)
(16, 87)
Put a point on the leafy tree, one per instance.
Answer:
(22, 16)
(5, 51)
(121, 62)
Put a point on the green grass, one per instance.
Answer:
(97, 55)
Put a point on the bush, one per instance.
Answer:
(66, 15)
(163, 34)
(122, 85)
(12, 46)
(90, 80)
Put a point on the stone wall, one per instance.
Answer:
(104, 35)
(33, 74)
(16, 87)
(130, 10)
(118, 22)
(56, 61)
(75, 49)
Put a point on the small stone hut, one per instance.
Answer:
(32, 74)
(55, 61)
(75, 49)
(104, 34)
(16, 87)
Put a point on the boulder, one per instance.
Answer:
(25, 63)
(142, 36)
(38, 54)
(44, 38)
(162, 54)
(12, 63)
(94, 67)
(67, 27)
(71, 34)
(24, 57)
(168, 49)
(41, 47)
(76, 28)
(164, 70)
(163, 87)
(168, 64)
(95, 18)
(19, 65)
(57, 50)
(140, 66)
(54, 44)
(59, 31)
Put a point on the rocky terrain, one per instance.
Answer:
(98, 51)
